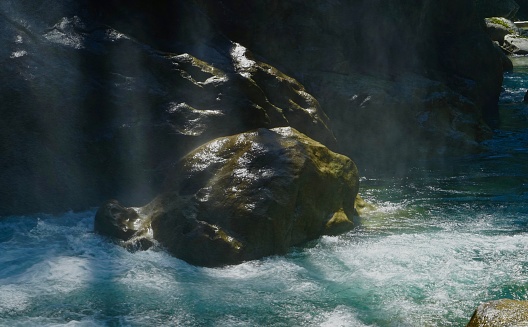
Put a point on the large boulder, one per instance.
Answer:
(362, 39)
(243, 197)
(90, 113)
(504, 312)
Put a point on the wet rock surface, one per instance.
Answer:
(244, 197)
(504, 312)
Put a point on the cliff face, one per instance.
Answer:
(99, 98)
(418, 77)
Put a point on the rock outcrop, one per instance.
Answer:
(89, 113)
(243, 197)
(508, 36)
(100, 98)
(503, 312)
(498, 27)
(365, 48)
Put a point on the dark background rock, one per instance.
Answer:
(358, 42)
(522, 14)
(89, 113)
(99, 98)
(498, 8)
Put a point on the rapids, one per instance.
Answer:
(441, 240)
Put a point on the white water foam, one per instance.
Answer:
(12, 300)
(411, 263)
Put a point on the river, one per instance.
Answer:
(440, 241)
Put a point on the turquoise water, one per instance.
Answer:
(441, 241)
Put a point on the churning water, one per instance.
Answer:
(440, 242)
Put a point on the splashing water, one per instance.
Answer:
(440, 242)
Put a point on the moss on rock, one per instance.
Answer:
(505, 23)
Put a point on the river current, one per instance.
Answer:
(440, 241)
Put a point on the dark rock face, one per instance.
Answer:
(410, 117)
(359, 42)
(100, 98)
(522, 14)
(89, 113)
(243, 197)
(115, 220)
(498, 8)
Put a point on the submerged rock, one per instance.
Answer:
(504, 312)
(244, 197)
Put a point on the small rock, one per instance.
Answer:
(502, 312)
(517, 44)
